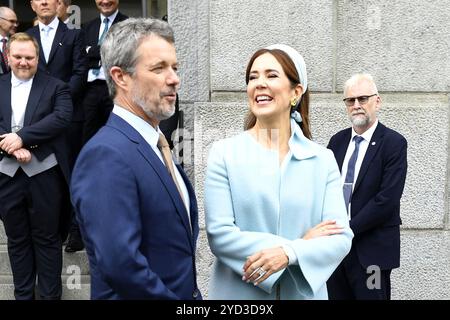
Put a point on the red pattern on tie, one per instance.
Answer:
(4, 52)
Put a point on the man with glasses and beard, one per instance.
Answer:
(373, 164)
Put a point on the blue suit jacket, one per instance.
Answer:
(375, 208)
(132, 219)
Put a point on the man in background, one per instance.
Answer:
(373, 164)
(35, 110)
(8, 27)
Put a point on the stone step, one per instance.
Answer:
(78, 289)
(2, 234)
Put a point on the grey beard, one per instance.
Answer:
(360, 122)
(162, 116)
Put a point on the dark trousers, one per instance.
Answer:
(75, 140)
(97, 106)
(349, 281)
(30, 209)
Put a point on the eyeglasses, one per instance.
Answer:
(15, 22)
(361, 99)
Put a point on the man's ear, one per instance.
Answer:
(378, 106)
(119, 77)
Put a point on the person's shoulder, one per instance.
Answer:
(120, 17)
(221, 147)
(341, 133)
(33, 30)
(5, 77)
(109, 139)
(90, 23)
(234, 140)
(319, 150)
(392, 135)
(41, 76)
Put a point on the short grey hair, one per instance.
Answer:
(360, 77)
(122, 41)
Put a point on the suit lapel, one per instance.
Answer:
(37, 35)
(372, 149)
(93, 35)
(166, 179)
(5, 101)
(37, 89)
(340, 153)
(157, 165)
(193, 200)
(58, 41)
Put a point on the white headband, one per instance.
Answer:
(297, 59)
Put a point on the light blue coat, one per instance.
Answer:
(253, 203)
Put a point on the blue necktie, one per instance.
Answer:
(100, 41)
(350, 176)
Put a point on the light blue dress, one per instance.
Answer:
(253, 203)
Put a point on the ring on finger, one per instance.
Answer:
(261, 273)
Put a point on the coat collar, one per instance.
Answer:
(37, 88)
(300, 146)
(372, 149)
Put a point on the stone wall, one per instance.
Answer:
(403, 44)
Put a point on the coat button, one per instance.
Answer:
(195, 294)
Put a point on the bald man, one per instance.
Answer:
(8, 26)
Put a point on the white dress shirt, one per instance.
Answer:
(151, 136)
(47, 39)
(20, 91)
(101, 75)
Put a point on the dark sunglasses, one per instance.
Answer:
(361, 99)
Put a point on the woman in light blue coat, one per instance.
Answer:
(275, 213)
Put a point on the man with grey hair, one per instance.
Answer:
(373, 164)
(136, 208)
(8, 26)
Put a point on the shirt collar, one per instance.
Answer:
(150, 134)
(111, 18)
(54, 24)
(299, 145)
(367, 135)
(15, 82)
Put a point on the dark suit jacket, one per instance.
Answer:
(47, 116)
(375, 204)
(67, 60)
(92, 29)
(132, 219)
